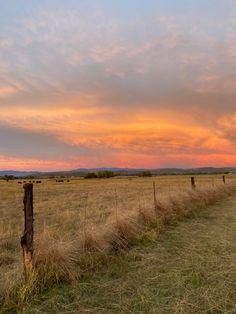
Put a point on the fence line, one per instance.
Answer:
(194, 183)
(10, 237)
(10, 217)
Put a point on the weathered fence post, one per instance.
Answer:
(223, 179)
(154, 195)
(193, 183)
(27, 238)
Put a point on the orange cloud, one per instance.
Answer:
(140, 140)
(6, 91)
(13, 163)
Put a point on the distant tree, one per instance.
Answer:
(146, 173)
(29, 177)
(90, 175)
(9, 177)
(105, 174)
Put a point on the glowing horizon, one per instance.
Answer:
(129, 84)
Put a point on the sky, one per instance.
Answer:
(117, 83)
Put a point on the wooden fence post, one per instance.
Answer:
(154, 195)
(223, 179)
(28, 235)
(193, 183)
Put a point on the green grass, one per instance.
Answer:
(190, 268)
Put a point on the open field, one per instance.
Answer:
(71, 205)
(68, 211)
(188, 269)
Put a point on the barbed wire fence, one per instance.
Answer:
(45, 221)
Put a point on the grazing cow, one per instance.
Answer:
(38, 181)
(19, 182)
(68, 180)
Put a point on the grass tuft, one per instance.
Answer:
(54, 261)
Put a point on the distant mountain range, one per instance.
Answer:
(121, 171)
(19, 173)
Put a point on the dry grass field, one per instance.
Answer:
(188, 269)
(81, 215)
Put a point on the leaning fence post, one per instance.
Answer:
(28, 235)
(223, 179)
(193, 183)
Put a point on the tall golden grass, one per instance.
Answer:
(59, 261)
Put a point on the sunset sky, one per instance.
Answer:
(117, 83)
